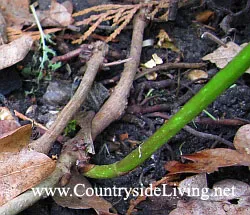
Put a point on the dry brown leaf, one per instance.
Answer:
(209, 161)
(15, 51)
(195, 74)
(16, 13)
(7, 126)
(7, 121)
(223, 55)
(58, 15)
(19, 172)
(224, 190)
(5, 114)
(123, 136)
(204, 16)
(15, 140)
(198, 207)
(81, 184)
(242, 139)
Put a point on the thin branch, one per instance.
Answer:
(115, 105)
(194, 132)
(167, 66)
(116, 62)
(44, 143)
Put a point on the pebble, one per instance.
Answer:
(58, 93)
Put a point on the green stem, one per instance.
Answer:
(219, 83)
(40, 29)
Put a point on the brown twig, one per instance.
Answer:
(167, 66)
(115, 105)
(229, 122)
(23, 117)
(43, 144)
(83, 48)
(116, 62)
(138, 109)
(194, 132)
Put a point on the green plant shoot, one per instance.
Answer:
(219, 83)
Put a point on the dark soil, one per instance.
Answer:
(234, 103)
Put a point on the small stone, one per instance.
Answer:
(58, 93)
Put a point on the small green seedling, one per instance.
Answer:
(70, 128)
(46, 51)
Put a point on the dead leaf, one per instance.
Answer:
(7, 126)
(3, 35)
(81, 184)
(21, 171)
(15, 51)
(5, 114)
(196, 187)
(195, 74)
(242, 139)
(197, 207)
(151, 76)
(208, 161)
(164, 41)
(123, 136)
(204, 16)
(223, 55)
(58, 15)
(16, 13)
(7, 121)
(15, 140)
(211, 159)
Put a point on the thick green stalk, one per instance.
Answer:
(220, 82)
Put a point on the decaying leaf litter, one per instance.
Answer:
(164, 94)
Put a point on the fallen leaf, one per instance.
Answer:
(7, 121)
(59, 14)
(162, 37)
(164, 41)
(195, 74)
(80, 185)
(14, 141)
(3, 35)
(123, 136)
(223, 55)
(5, 114)
(157, 59)
(196, 187)
(15, 51)
(16, 13)
(208, 161)
(7, 126)
(21, 171)
(151, 76)
(204, 16)
(150, 64)
(198, 207)
(242, 139)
